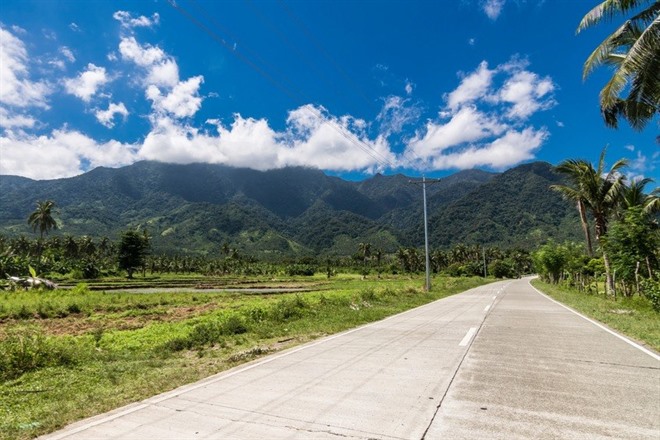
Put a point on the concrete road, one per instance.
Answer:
(498, 361)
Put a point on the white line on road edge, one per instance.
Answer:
(487, 308)
(495, 297)
(623, 338)
(468, 336)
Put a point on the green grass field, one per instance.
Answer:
(70, 354)
(634, 317)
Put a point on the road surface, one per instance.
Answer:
(498, 361)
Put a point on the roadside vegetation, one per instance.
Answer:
(625, 221)
(616, 278)
(69, 354)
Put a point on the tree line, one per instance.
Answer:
(624, 221)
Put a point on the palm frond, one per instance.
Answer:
(608, 10)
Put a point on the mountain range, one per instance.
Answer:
(196, 208)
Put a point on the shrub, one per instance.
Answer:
(90, 270)
(257, 314)
(73, 308)
(289, 308)
(651, 289)
(205, 333)
(502, 269)
(26, 349)
(80, 289)
(234, 325)
(300, 270)
(367, 295)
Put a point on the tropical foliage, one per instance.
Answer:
(595, 193)
(625, 222)
(42, 218)
(633, 50)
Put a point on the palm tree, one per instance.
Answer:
(633, 195)
(364, 250)
(42, 218)
(595, 191)
(577, 171)
(634, 52)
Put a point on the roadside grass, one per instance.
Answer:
(634, 317)
(55, 370)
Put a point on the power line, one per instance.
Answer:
(351, 137)
(301, 24)
(349, 80)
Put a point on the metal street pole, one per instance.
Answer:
(483, 249)
(427, 285)
(426, 239)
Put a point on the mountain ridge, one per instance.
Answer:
(196, 208)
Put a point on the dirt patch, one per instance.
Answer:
(79, 324)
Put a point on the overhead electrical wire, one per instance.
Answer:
(295, 95)
(349, 80)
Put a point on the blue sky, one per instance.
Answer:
(351, 87)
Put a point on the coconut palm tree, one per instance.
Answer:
(577, 171)
(364, 251)
(596, 191)
(633, 195)
(42, 218)
(634, 52)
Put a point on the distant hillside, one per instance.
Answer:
(515, 208)
(293, 211)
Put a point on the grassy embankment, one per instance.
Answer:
(633, 317)
(66, 355)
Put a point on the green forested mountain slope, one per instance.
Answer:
(515, 208)
(292, 211)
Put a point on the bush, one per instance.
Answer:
(89, 270)
(80, 289)
(651, 289)
(501, 269)
(368, 295)
(289, 308)
(234, 325)
(26, 349)
(300, 270)
(208, 333)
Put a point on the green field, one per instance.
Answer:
(70, 354)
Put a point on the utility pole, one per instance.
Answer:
(483, 250)
(427, 285)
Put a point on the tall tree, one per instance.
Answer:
(598, 192)
(133, 250)
(42, 218)
(633, 50)
(364, 251)
(577, 171)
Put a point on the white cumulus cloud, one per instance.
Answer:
(15, 120)
(312, 138)
(63, 153)
(526, 91)
(182, 101)
(85, 85)
(68, 54)
(493, 8)
(396, 113)
(127, 20)
(473, 86)
(16, 87)
(144, 56)
(484, 121)
(107, 117)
